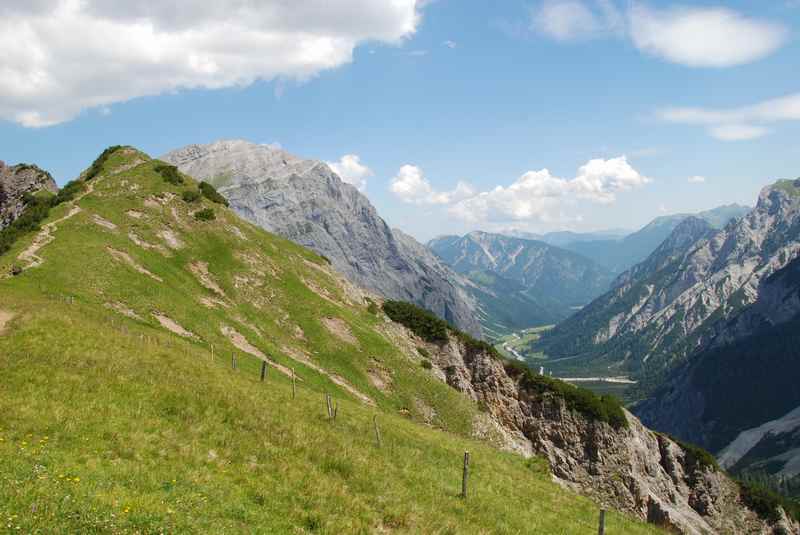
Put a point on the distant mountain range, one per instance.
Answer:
(306, 202)
(520, 282)
(709, 325)
(619, 254)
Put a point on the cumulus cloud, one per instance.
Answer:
(692, 36)
(63, 56)
(538, 195)
(696, 179)
(737, 124)
(410, 185)
(535, 196)
(352, 171)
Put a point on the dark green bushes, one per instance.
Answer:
(169, 173)
(191, 195)
(767, 503)
(36, 210)
(421, 322)
(206, 214)
(212, 194)
(432, 329)
(68, 192)
(696, 457)
(97, 165)
(601, 408)
(423, 352)
(426, 364)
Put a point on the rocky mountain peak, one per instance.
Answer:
(306, 202)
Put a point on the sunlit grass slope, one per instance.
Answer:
(117, 416)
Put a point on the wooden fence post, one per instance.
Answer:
(377, 430)
(335, 410)
(465, 475)
(263, 370)
(233, 360)
(294, 390)
(601, 530)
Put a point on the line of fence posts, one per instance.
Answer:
(333, 409)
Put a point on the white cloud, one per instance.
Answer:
(565, 20)
(352, 171)
(737, 132)
(538, 195)
(696, 179)
(63, 56)
(450, 44)
(692, 36)
(410, 185)
(704, 37)
(737, 124)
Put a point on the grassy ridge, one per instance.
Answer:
(111, 423)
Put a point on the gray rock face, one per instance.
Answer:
(681, 298)
(15, 182)
(306, 202)
(739, 396)
(632, 469)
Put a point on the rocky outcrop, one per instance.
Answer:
(306, 202)
(15, 182)
(632, 469)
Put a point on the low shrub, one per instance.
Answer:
(767, 503)
(424, 324)
(37, 208)
(169, 173)
(191, 195)
(372, 308)
(424, 352)
(206, 214)
(97, 165)
(426, 364)
(696, 457)
(435, 330)
(68, 192)
(601, 408)
(212, 194)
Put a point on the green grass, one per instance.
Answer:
(113, 424)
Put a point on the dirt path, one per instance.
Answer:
(336, 379)
(241, 343)
(45, 235)
(125, 258)
(5, 317)
(173, 326)
(340, 329)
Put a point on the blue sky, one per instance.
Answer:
(483, 93)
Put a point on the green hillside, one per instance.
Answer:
(121, 412)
